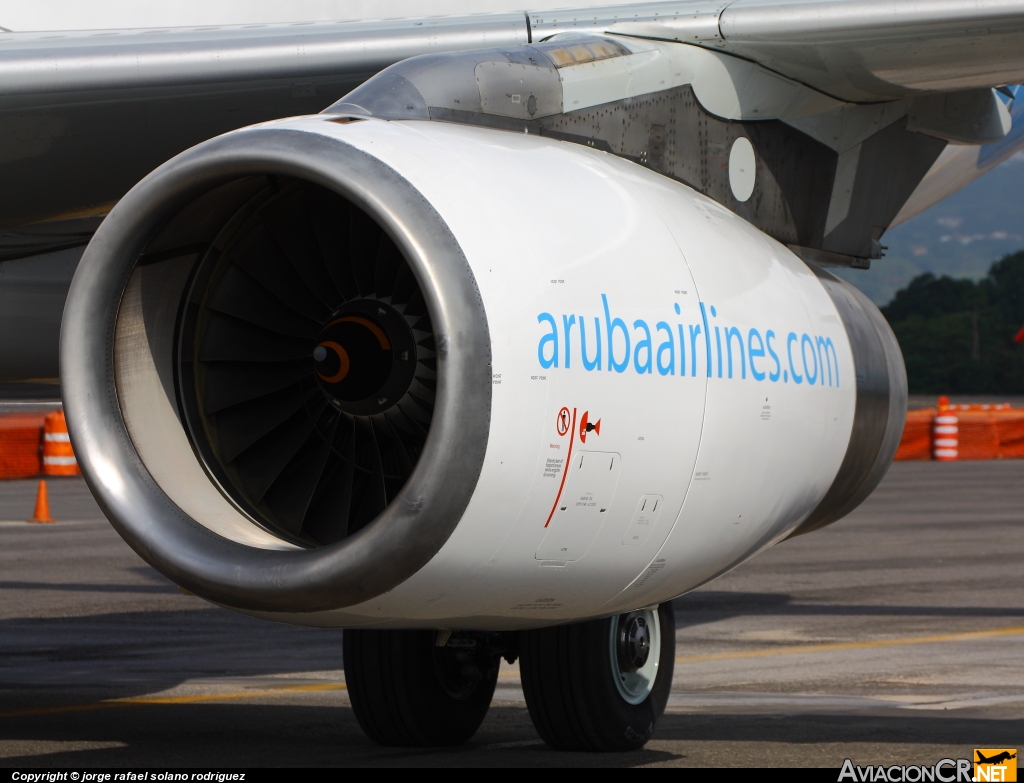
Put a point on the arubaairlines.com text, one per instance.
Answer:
(945, 771)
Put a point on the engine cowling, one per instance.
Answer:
(346, 371)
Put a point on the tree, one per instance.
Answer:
(957, 335)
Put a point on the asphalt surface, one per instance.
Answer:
(894, 636)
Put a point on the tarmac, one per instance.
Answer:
(893, 637)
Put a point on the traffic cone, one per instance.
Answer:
(42, 512)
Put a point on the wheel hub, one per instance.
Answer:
(634, 642)
(635, 652)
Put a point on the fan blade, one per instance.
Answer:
(416, 307)
(427, 343)
(328, 518)
(260, 464)
(388, 262)
(258, 255)
(418, 402)
(424, 391)
(395, 463)
(411, 433)
(227, 339)
(282, 442)
(364, 236)
(241, 426)
(418, 418)
(230, 383)
(329, 214)
(289, 496)
(239, 295)
(290, 227)
(405, 285)
(370, 498)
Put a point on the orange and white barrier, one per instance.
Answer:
(1010, 429)
(946, 436)
(975, 406)
(917, 435)
(20, 445)
(58, 458)
(33, 444)
(979, 435)
(963, 432)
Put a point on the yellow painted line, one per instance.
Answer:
(761, 653)
(820, 648)
(197, 699)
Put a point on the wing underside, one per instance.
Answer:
(83, 116)
(866, 50)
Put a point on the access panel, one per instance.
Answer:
(582, 506)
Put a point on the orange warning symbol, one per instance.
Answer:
(563, 422)
(587, 426)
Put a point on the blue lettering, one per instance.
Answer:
(718, 343)
(612, 325)
(694, 331)
(819, 355)
(805, 341)
(771, 352)
(790, 339)
(568, 321)
(825, 345)
(587, 364)
(718, 350)
(670, 346)
(645, 343)
(707, 335)
(731, 332)
(757, 352)
(548, 338)
(682, 350)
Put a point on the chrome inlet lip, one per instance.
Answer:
(428, 508)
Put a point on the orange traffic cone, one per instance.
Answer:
(42, 512)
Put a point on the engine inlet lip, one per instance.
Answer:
(418, 522)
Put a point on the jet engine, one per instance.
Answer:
(450, 366)
(346, 371)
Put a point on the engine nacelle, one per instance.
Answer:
(344, 371)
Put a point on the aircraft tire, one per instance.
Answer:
(574, 702)
(407, 692)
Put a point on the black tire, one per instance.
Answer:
(573, 700)
(406, 691)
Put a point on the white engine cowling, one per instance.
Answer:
(354, 372)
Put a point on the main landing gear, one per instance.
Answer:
(596, 686)
(408, 691)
